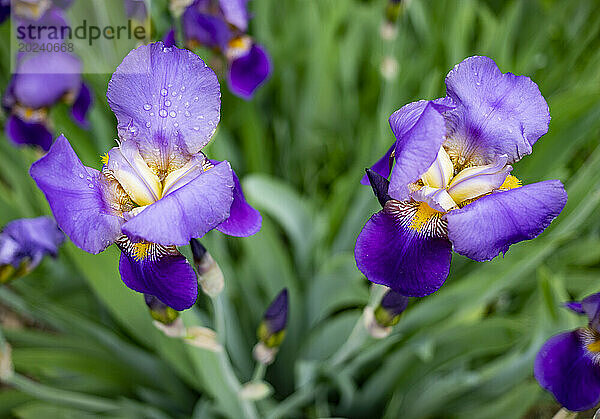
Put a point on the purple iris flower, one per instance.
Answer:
(30, 95)
(451, 187)
(568, 364)
(24, 242)
(222, 25)
(136, 9)
(4, 10)
(156, 189)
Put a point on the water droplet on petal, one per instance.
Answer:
(163, 92)
(176, 124)
(81, 175)
(90, 186)
(172, 114)
(147, 106)
(148, 125)
(163, 113)
(167, 103)
(196, 128)
(187, 114)
(183, 88)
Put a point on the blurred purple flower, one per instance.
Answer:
(24, 242)
(568, 364)
(156, 189)
(451, 187)
(222, 25)
(30, 95)
(136, 9)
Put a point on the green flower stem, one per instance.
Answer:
(359, 333)
(259, 372)
(231, 379)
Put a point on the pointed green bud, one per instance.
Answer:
(159, 310)
(210, 276)
(271, 330)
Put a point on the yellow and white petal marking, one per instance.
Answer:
(440, 172)
(127, 165)
(419, 217)
(238, 47)
(145, 251)
(476, 181)
(437, 198)
(180, 177)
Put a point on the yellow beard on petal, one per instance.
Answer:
(422, 216)
(594, 346)
(511, 182)
(140, 251)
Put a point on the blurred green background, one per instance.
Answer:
(85, 346)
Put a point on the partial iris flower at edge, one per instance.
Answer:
(451, 187)
(30, 95)
(568, 364)
(24, 243)
(223, 26)
(156, 189)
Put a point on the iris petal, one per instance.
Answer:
(489, 225)
(496, 113)
(563, 367)
(77, 197)
(473, 182)
(399, 249)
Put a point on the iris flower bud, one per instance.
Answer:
(210, 276)
(379, 322)
(389, 310)
(393, 10)
(160, 311)
(271, 330)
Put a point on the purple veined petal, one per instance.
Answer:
(77, 199)
(249, 71)
(165, 97)
(188, 212)
(489, 225)
(169, 38)
(243, 219)
(394, 250)
(383, 166)
(205, 29)
(496, 113)
(169, 277)
(236, 13)
(82, 105)
(564, 368)
(61, 75)
(33, 133)
(420, 130)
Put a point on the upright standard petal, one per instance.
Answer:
(420, 130)
(249, 71)
(61, 75)
(76, 196)
(23, 132)
(165, 98)
(204, 29)
(168, 276)
(402, 247)
(236, 13)
(489, 225)
(496, 113)
(188, 212)
(564, 368)
(243, 219)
